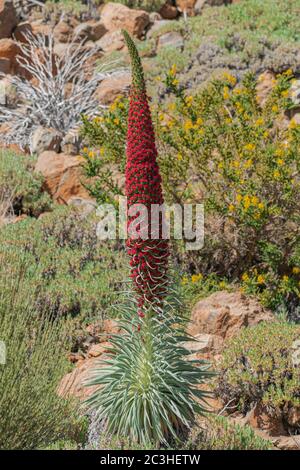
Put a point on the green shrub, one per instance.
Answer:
(244, 35)
(76, 8)
(68, 271)
(62, 445)
(31, 413)
(221, 434)
(224, 148)
(148, 5)
(257, 367)
(21, 185)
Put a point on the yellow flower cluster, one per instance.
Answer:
(258, 278)
(193, 279)
(189, 101)
(246, 202)
(226, 94)
(249, 147)
(239, 107)
(293, 124)
(197, 277)
(98, 119)
(188, 125)
(276, 174)
(238, 91)
(259, 122)
(117, 104)
(229, 78)
(173, 70)
(91, 154)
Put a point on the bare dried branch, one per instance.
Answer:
(62, 89)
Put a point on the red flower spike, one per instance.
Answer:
(149, 257)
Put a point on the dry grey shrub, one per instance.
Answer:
(62, 89)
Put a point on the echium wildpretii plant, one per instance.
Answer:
(149, 255)
(147, 386)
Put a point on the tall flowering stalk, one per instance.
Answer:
(147, 389)
(149, 257)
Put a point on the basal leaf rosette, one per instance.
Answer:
(147, 387)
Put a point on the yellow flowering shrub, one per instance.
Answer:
(194, 287)
(222, 147)
(242, 161)
(104, 154)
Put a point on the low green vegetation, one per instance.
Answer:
(20, 185)
(258, 368)
(147, 5)
(219, 433)
(56, 7)
(68, 271)
(245, 31)
(31, 412)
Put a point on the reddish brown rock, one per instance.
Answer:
(115, 16)
(265, 83)
(98, 349)
(9, 50)
(103, 330)
(73, 384)
(63, 175)
(168, 11)
(225, 313)
(22, 31)
(38, 27)
(8, 18)
(260, 418)
(13, 147)
(287, 442)
(111, 41)
(204, 345)
(293, 416)
(110, 88)
(45, 139)
(63, 32)
(98, 30)
(201, 4)
(35, 27)
(187, 6)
